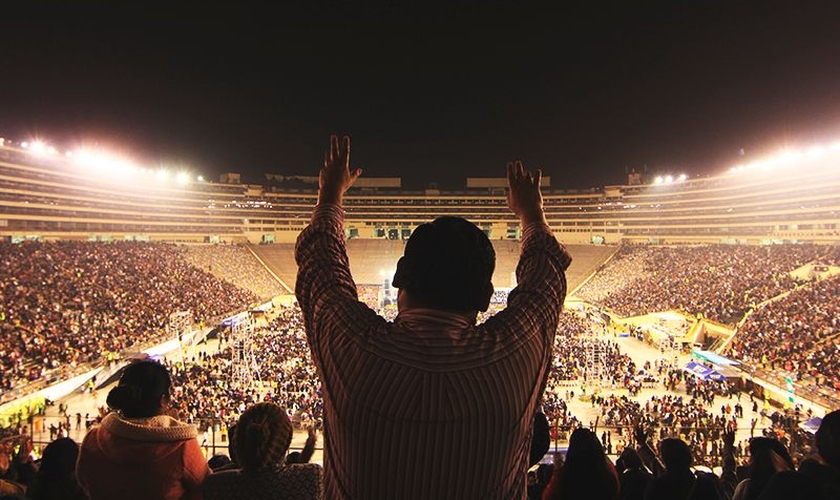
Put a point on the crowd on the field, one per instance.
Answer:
(281, 371)
(68, 303)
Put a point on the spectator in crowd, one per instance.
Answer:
(540, 439)
(828, 442)
(139, 451)
(8, 486)
(539, 480)
(262, 439)
(219, 462)
(821, 478)
(56, 476)
(767, 457)
(817, 478)
(633, 476)
(408, 405)
(585, 473)
(673, 477)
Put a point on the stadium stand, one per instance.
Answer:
(742, 248)
(70, 303)
(719, 282)
(235, 264)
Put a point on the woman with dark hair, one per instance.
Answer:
(139, 451)
(587, 473)
(56, 477)
(263, 435)
(768, 456)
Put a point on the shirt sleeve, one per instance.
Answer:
(533, 307)
(325, 288)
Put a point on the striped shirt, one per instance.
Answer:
(430, 406)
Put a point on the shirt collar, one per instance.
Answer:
(422, 318)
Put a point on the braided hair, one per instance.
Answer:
(262, 437)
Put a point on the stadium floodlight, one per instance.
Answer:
(682, 177)
(815, 152)
(669, 179)
(200, 178)
(24, 145)
(162, 175)
(658, 180)
(789, 156)
(182, 178)
(38, 147)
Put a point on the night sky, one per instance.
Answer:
(431, 94)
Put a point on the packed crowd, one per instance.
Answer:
(797, 334)
(285, 375)
(668, 447)
(203, 392)
(720, 282)
(234, 264)
(68, 303)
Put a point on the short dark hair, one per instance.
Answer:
(448, 264)
(828, 438)
(676, 455)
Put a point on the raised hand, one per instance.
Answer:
(335, 177)
(640, 434)
(729, 439)
(524, 196)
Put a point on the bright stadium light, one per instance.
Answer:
(200, 178)
(162, 175)
(182, 178)
(24, 145)
(682, 177)
(815, 152)
(669, 179)
(658, 180)
(789, 156)
(38, 147)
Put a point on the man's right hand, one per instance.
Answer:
(524, 196)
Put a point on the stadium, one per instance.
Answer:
(720, 285)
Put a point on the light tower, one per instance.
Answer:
(596, 362)
(180, 323)
(246, 371)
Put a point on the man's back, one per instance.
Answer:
(429, 406)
